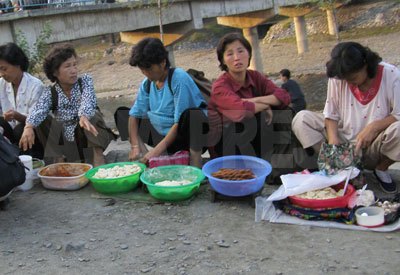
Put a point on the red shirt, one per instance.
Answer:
(226, 102)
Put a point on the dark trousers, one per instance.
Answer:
(14, 135)
(51, 133)
(192, 132)
(275, 143)
(121, 118)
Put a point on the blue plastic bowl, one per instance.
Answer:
(239, 188)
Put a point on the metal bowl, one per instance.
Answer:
(64, 176)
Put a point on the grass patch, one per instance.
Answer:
(348, 34)
(286, 24)
(373, 31)
(210, 30)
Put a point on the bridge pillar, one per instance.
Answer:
(332, 25)
(330, 9)
(256, 60)
(248, 22)
(298, 13)
(301, 34)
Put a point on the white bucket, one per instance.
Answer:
(28, 184)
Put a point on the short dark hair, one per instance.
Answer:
(147, 52)
(228, 39)
(351, 57)
(285, 73)
(13, 54)
(53, 60)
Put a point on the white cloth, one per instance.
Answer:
(28, 93)
(266, 211)
(342, 105)
(294, 184)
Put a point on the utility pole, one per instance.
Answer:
(160, 21)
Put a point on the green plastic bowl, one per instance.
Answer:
(115, 185)
(172, 172)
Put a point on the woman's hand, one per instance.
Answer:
(9, 115)
(85, 124)
(331, 127)
(148, 156)
(268, 115)
(27, 138)
(134, 153)
(366, 137)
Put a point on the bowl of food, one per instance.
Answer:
(172, 182)
(64, 176)
(330, 197)
(237, 175)
(113, 178)
(371, 216)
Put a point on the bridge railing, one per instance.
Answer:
(8, 6)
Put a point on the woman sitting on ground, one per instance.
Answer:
(19, 92)
(247, 109)
(169, 118)
(77, 130)
(362, 107)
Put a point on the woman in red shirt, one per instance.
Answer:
(245, 105)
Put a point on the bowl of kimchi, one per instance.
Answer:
(64, 176)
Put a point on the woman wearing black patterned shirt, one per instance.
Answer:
(65, 116)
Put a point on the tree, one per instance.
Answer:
(36, 53)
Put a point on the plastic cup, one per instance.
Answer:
(28, 184)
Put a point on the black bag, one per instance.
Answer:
(12, 170)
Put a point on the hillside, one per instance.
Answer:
(372, 23)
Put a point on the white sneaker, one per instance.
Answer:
(385, 181)
(383, 176)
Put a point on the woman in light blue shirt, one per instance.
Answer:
(168, 117)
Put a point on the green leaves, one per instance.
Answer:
(37, 52)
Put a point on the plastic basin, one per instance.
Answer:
(261, 169)
(52, 178)
(338, 202)
(115, 185)
(172, 172)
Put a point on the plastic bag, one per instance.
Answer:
(362, 198)
(180, 157)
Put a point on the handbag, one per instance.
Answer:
(11, 168)
(333, 158)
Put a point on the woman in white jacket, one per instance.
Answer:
(19, 91)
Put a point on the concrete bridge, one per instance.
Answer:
(135, 20)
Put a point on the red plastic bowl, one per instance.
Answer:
(338, 202)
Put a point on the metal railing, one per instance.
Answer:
(9, 6)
